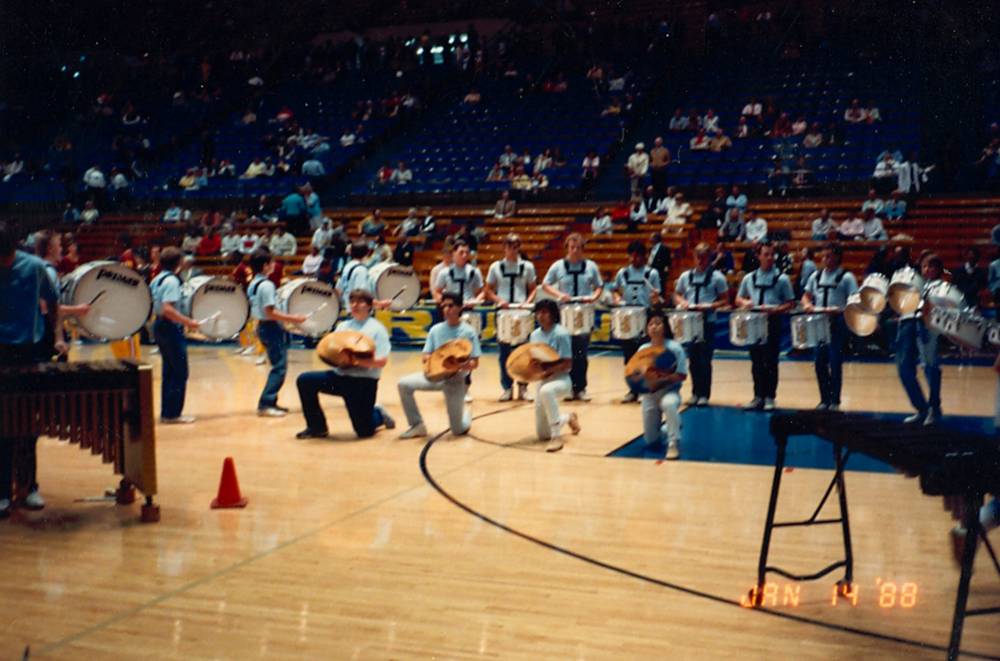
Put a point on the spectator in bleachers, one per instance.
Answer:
(591, 166)
(347, 138)
(312, 262)
(265, 211)
(173, 214)
(824, 226)
(225, 169)
(782, 127)
(649, 199)
(872, 202)
(800, 125)
(637, 167)
(679, 122)
(543, 161)
(524, 160)
(700, 141)
(715, 212)
(661, 257)
(402, 175)
(472, 98)
(659, 161)
(558, 160)
(380, 251)
(666, 203)
(872, 113)
(520, 181)
(855, 114)
(874, 230)
(720, 142)
(782, 258)
(372, 225)
(189, 181)
(249, 241)
(802, 175)
(314, 210)
(693, 120)
(294, 211)
(851, 228)
(282, 243)
(680, 212)
(443, 265)
(807, 267)
(636, 214)
(428, 226)
(90, 214)
(723, 260)
(834, 134)
(241, 271)
(210, 244)
(322, 237)
(257, 168)
(886, 176)
(753, 109)
(505, 207)
(94, 179)
(778, 178)
(313, 167)
(894, 208)
(71, 214)
(409, 226)
(742, 128)
(13, 168)
(539, 182)
(230, 241)
(736, 202)
(814, 137)
(403, 253)
(192, 240)
(911, 176)
(507, 159)
(497, 172)
(601, 223)
(756, 228)
(384, 174)
(733, 228)
(710, 122)
(970, 277)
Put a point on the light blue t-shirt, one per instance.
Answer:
(767, 287)
(831, 289)
(680, 355)
(580, 279)
(993, 279)
(354, 276)
(165, 288)
(702, 287)
(262, 296)
(21, 287)
(442, 332)
(463, 281)
(636, 284)
(293, 205)
(559, 339)
(375, 330)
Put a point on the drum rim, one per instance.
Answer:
(107, 338)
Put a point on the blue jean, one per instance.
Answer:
(173, 350)
(275, 341)
(830, 362)
(914, 342)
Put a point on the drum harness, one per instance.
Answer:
(512, 278)
(646, 273)
(704, 284)
(575, 274)
(459, 281)
(763, 289)
(158, 281)
(827, 287)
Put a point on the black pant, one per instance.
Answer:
(359, 395)
(12, 355)
(659, 176)
(700, 362)
(578, 371)
(765, 360)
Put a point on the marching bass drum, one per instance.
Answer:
(395, 283)
(312, 298)
(220, 304)
(119, 297)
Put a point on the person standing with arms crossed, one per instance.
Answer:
(510, 281)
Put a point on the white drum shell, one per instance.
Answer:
(747, 328)
(577, 318)
(904, 291)
(687, 326)
(810, 330)
(960, 326)
(859, 319)
(946, 295)
(313, 298)
(874, 292)
(397, 283)
(205, 296)
(628, 323)
(514, 326)
(123, 307)
(475, 320)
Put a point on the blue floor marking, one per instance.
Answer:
(721, 434)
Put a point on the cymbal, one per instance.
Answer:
(530, 362)
(340, 348)
(441, 363)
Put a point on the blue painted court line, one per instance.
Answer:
(728, 435)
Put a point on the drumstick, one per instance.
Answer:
(211, 317)
(398, 294)
(99, 294)
(316, 311)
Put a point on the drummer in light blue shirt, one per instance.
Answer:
(635, 285)
(355, 275)
(829, 290)
(702, 288)
(453, 387)
(556, 385)
(575, 277)
(168, 330)
(769, 291)
(461, 277)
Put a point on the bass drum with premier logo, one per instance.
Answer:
(395, 283)
(316, 300)
(219, 304)
(119, 298)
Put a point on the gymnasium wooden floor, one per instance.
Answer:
(347, 549)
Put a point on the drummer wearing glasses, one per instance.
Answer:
(769, 291)
(575, 278)
(510, 281)
(827, 291)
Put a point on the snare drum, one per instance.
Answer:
(687, 327)
(514, 326)
(219, 304)
(810, 330)
(904, 290)
(747, 328)
(475, 320)
(628, 322)
(577, 318)
(119, 297)
(859, 319)
(874, 290)
(396, 283)
(945, 295)
(317, 300)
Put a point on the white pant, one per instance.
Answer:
(656, 406)
(454, 399)
(548, 421)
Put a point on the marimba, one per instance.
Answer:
(103, 406)
(946, 462)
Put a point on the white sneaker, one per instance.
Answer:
(673, 449)
(179, 420)
(248, 351)
(916, 417)
(754, 404)
(833, 408)
(415, 431)
(468, 398)
(931, 419)
(822, 406)
(768, 404)
(507, 395)
(702, 401)
(555, 444)
(574, 423)
(4, 508)
(261, 361)
(33, 501)
(271, 412)
(692, 401)
(522, 391)
(630, 398)
(528, 395)
(583, 396)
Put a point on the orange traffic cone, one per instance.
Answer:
(229, 488)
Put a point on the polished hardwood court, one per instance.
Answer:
(483, 546)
